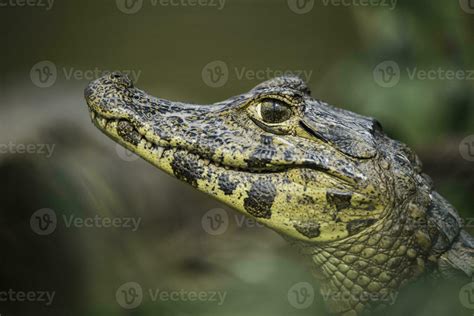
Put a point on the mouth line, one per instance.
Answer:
(159, 150)
(102, 122)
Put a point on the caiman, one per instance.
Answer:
(330, 181)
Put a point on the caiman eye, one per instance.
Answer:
(273, 111)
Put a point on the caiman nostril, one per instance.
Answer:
(121, 79)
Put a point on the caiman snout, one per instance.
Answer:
(108, 93)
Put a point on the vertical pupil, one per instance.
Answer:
(274, 112)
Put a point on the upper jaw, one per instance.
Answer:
(109, 95)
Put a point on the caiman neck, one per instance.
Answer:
(366, 271)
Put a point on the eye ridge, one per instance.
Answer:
(274, 111)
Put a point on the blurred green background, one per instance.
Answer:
(369, 59)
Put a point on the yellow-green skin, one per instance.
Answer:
(328, 180)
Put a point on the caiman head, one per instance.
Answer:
(328, 180)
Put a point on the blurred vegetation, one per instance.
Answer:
(169, 46)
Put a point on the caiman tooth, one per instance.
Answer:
(102, 121)
(159, 152)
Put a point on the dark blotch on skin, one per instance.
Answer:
(288, 155)
(256, 163)
(128, 133)
(306, 200)
(340, 200)
(263, 154)
(260, 199)
(266, 140)
(226, 185)
(186, 169)
(357, 225)
(308, 229)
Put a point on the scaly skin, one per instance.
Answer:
(328, 180)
